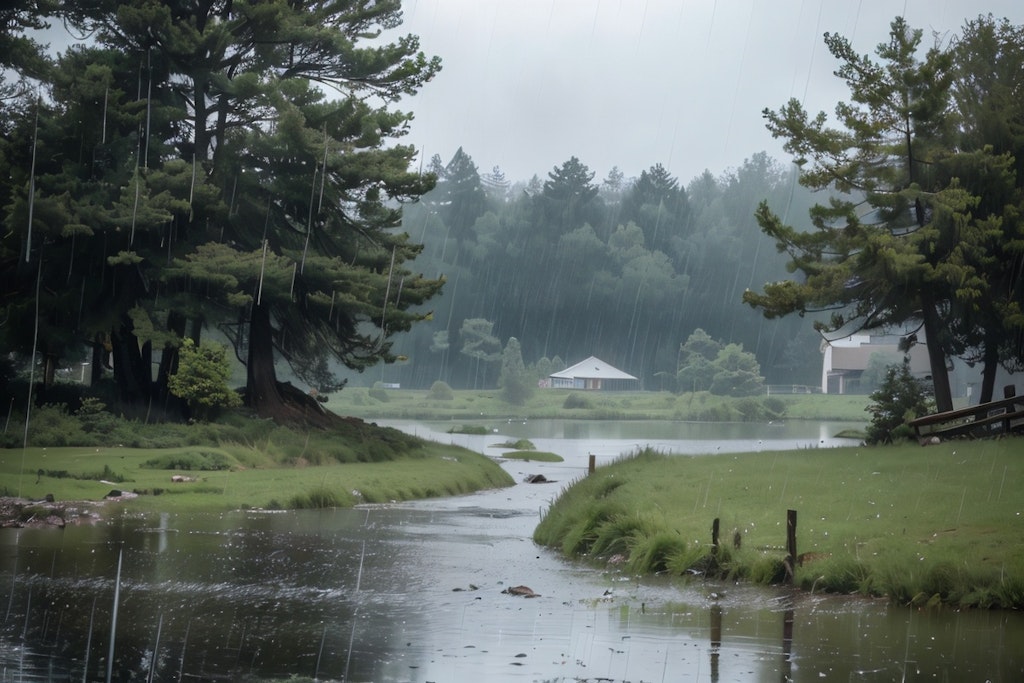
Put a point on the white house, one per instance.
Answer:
(592, 373)
(845, 360)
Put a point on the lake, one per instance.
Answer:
(414, 592)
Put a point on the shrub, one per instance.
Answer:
(202, 379)
(189, 460)
(440, 391)
(575, 401)
(899, 399)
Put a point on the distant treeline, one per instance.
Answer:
(624, 269)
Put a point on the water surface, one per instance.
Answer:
(413, 592)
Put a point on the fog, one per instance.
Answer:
(631, 83)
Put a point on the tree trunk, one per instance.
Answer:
(990, 364)
(261, 379)
(282, 403)
(100, 358)
(173, 406)
(936, 355)
(131, 372)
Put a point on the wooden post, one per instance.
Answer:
(716, 640)
(592, 464)
(787, 645)
(714, 535)
(790, 545)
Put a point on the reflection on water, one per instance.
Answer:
(609, 439)
(414, 593)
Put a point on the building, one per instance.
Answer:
(592, 374)
(845, 360)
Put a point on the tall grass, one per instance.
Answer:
(938, 524)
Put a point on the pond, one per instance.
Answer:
(414, 592)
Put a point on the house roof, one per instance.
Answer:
(592, 368)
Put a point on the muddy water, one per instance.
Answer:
(413, 592)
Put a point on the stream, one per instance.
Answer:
(414, 592)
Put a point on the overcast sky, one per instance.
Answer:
(527, 84)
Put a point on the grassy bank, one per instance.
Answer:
(595, 405)
(241, 462)
(941, 524)
(91, 473)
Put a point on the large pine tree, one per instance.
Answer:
(212, 180)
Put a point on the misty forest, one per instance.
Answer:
(235, 173)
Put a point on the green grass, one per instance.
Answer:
(252, 480)
(536, 456)
(600, 405)
(940, 524)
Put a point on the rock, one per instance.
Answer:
(537, 479)
(523, 591)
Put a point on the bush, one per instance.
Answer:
(202, 379)
(899, 399)
(440, 391)
(189, 460)
(378, 392)
(575, 401)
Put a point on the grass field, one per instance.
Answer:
(596, 405)
(942, 524)
(71, 473)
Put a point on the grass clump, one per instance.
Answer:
(321, 497)
(519, 445)
(468, 429)
(535, 456)
(198, 461)
(921, 526)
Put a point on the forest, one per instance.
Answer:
(625, 269)
(234, 174)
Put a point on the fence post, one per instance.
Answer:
(790, 545)
(714, 535)
(592, 464)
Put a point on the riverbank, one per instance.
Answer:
(931, 525)
(174, 479)
(569, 404)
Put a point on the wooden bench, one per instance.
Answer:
(984, 419)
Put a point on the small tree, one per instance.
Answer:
(479, 344)
(516, 382)
(737, 372)
(696, 357)
(900, 398)
(202, 379)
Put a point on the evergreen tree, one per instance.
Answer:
(990, 114)
(460, 196)
(886, 252)
(516, 383)
(214, 182)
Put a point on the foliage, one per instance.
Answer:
(195, 460)
(912, 240)
(622, 274)
(480, 344)
(724, 370)
(577, 402)
(440, 391)
(221, 185)
(900, 398)
(202, 378)
(516, 383)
